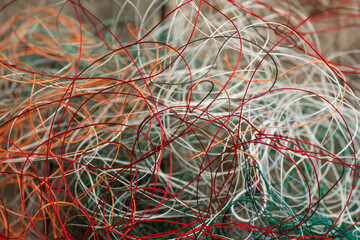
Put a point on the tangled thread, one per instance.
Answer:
(186, 120)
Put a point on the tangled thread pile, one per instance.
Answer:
(188, 120)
